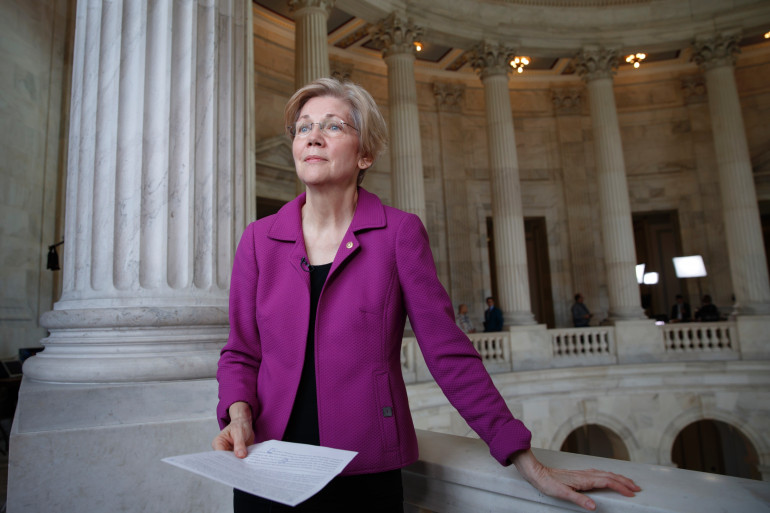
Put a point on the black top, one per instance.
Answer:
(303, 422)
(380, 492)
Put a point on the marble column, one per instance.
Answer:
(596, 67)
(397, 35)
(748, 266)
(311, 53)
(157, 191)
(491, 61)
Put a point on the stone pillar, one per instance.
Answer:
(581, 202)
(491, 61)
(158, 144)
(597, 66)
(397, 35)
(454, 184)
(748, 267)
(311, 53)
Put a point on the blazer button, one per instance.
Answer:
(349, 245)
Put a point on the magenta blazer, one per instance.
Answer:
(383, 271)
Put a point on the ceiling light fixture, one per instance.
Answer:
(518, 63)
(636, 59)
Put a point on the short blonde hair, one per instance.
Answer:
(367, 118)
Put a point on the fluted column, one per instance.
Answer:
(158, 142)
(597, 66)
(397, 35)
(748, 267)
(491, 61)
(311, 53)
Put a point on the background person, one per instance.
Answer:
(680, 312)
(463, 321)
(319, 296)
(493, 317)
(581, 316)
(707, 311)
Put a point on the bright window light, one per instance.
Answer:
(689, 266)
(640, 273)
(650, 278)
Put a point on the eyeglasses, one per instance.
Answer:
(328, 127)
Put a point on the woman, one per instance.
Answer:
(319, 298)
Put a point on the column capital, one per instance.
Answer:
(567, 100)
(715, 51)
(397, 34)
(298, 5)
(594, 63)
(448, 97)
(489, 58)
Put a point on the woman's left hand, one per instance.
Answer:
(564, 484)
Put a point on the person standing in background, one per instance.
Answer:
(493, 317)
(581, 316)
(463, 321)
(680, 312)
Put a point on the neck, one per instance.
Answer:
(329, 208)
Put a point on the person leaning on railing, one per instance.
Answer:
(319, 296)
(707, 311)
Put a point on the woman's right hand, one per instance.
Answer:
(238, 434)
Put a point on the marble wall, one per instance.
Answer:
(33, 105)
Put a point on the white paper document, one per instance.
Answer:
(284, 472)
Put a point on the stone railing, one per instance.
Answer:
(530, 348)
(456, 475)
(706, 337)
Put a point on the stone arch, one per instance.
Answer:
(601, 419)
(697, 414)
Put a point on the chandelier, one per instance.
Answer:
(518, 63)
(636, 59)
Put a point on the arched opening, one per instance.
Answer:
(595, 440)
(716, 447)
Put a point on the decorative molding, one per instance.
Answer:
(716, 51)
(595, 63)
(449, 97)
(342, 71)
(396, 34)
(694, 89)
(490, 58)
(567, 100)
(298, 5)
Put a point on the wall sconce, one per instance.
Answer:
(636, 59)
(518, 63)
(418, 46)
(53, 257)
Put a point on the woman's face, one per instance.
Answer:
(322, 160)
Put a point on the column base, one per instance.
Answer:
(626, 313)
(518, 318)
(114, 345)
(99, 448)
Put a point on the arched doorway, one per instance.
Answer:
(716, 447)
(596, 440)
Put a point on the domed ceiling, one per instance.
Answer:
(549, 32)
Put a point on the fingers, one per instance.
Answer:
(221, 443)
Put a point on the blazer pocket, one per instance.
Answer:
(386, 411)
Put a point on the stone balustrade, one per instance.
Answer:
(456, 474)
(579, 347)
